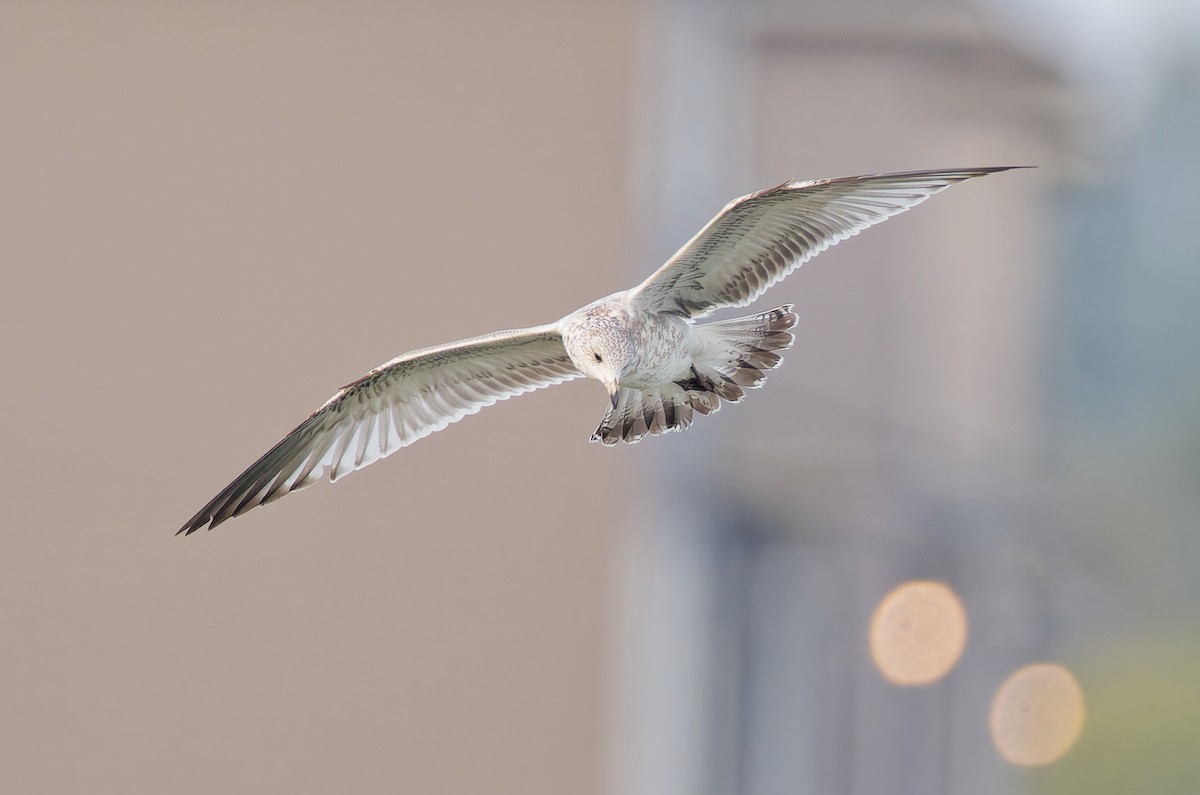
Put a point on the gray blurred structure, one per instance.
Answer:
(902, 438)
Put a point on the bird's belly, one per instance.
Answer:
(665, 355)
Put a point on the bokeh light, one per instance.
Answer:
(1037, 714)
(918, 632)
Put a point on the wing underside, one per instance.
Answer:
(393, 406)
(761, 238)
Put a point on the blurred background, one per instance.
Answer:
(951, 547)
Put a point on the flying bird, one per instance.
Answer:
(660, 367)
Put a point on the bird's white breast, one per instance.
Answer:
(665, 344)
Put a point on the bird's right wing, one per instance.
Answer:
(393, 406)
(758, 239)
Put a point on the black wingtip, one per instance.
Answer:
(986, 170)
(994, 169)
(197, 522)
(968, 173)
(965, 173)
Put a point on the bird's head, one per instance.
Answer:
(600, 344)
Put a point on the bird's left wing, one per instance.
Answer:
(393, 406)
(758, 239)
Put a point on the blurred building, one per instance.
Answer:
(905, 436)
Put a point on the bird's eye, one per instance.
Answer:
(599, 358)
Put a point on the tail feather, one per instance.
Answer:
(736, 356)
(743, 349)
(641, 412)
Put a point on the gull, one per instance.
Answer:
(659, 366)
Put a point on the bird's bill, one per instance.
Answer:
(614, 393)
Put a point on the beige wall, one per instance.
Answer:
(212, 215)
